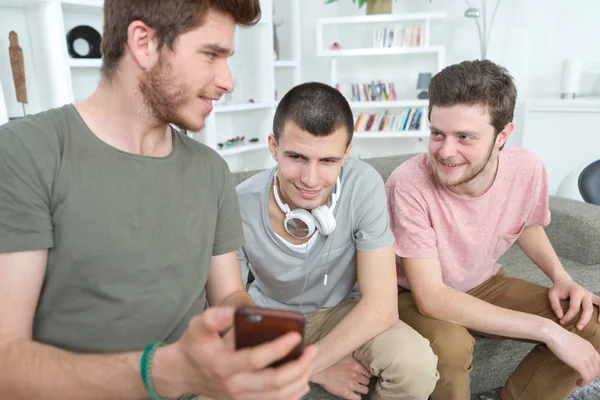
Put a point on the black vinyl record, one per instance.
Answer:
(90, 35)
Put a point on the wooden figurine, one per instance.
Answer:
(18, 67)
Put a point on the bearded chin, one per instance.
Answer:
(478, 170)
(163, 97)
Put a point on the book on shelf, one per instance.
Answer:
(407, 120)
(410, 36)
(374, 91)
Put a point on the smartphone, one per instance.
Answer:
(257, 325)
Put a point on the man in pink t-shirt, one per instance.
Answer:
(454, 211)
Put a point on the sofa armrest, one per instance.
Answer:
(574, 230)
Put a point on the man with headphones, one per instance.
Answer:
(317, 228)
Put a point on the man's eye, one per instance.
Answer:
(465, 138)
(212, 56)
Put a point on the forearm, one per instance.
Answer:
(535, 244)
(448, 304)
(31, 370)
(238, 298)
(366, 320)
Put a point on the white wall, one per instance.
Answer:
(530, 38)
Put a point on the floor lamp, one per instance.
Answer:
(482, 27)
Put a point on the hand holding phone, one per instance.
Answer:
(258, 325)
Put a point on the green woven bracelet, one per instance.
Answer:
(146, 369)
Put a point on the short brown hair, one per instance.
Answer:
(168, 18)
(479, 82)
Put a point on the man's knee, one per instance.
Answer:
(453, 345)
(403, 355)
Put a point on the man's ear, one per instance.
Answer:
(347, 152)
(503, 136)
(273, 146)
(142, 44)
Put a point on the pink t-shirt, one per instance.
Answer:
(468, 235)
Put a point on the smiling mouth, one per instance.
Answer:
(309, 192)
(447, 164)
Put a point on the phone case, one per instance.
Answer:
(257, 325)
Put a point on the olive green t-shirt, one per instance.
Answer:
(130, 238)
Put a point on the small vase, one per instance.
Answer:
(379, 7)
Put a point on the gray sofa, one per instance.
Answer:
(575, 235)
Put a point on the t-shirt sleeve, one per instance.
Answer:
(244, 264)
(540, 215)
(373, 228)
(229, 234)
(25, 190)
(409, 220)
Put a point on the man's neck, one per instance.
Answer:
(116, 115)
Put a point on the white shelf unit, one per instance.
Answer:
(420, 134)
(358, 61)
(224, 108)
(243, 149)
(55, 79)
(37, 23)
(288, 72)
(258, 77)
(85, 62)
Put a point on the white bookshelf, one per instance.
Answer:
(258, 76)
(226, 108)
(410, 134)
(385, 51)
(85, 62)
(288, 71)
(285, 64)
(82, 6)
(55, 79)
(359, 61)
(370, 105)
(18, 3)
(245, 148)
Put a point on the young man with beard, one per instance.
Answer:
(315, 226)
(115, 230)
(454, 212)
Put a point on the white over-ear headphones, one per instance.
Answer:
(300, 223)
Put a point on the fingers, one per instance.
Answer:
(361, 388)
(285, 382)
(349, 394)
(261, 356)
(555, 303)
(362, 369)
(586, 315)
(229, 339)
(596, 301)
(574, 307)
(212, 321)
(363, 380)
(591, 368)
(264, 386)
